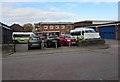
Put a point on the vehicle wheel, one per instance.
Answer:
(59, 44)
(45, 45)
(63, 44)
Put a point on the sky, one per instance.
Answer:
(33, 11)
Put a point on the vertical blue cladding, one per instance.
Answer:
(107, 32)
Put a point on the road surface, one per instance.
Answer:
(74, 64)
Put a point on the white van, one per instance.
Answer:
(85, 33)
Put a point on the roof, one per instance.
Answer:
(101, 20)
(104, 24)
(5, 26)
(17, 28)
(55, 23)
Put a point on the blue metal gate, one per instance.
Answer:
(107, 32)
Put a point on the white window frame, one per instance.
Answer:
(51, 27)
(45, 27)
(57, 26)
(62, 26)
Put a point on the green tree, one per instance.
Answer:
(28, 27)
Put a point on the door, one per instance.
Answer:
(107, 32)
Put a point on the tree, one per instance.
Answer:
(28, 27)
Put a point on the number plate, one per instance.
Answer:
(54, 41)
(73, 42)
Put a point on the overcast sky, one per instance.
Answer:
(38, 11)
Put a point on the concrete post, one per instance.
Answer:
(69, 42)
(42, 45)
(56, 44)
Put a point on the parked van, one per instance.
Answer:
(84, 33)
(22, 37)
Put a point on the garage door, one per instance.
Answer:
(107, 32)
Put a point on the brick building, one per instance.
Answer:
(55, 28)
(82, 24)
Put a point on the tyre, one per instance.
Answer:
(40, 46)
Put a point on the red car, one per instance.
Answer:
(68, 40)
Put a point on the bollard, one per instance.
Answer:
(69, 42)
(14, 45)
(42, 45)
(56, 44)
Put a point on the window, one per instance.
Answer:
(68, 36)
(21, 35)
(45, 27)
(82, 32)
(89, 31)
(62, 33)
(51, 26)
(35, 38)
(57, 26)
(75, 33)
(63, 27)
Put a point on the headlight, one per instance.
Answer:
(68, 40)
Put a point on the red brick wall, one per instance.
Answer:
(41, 27)
(76, 24)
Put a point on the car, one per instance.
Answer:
(68, 40)
(52, 41)
(34, 41)
(41, 35)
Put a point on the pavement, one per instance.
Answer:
(56, 50)
(25, 52)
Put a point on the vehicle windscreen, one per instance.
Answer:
(89, 31)
(52, 37)
(35, 39)
(67, 36)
